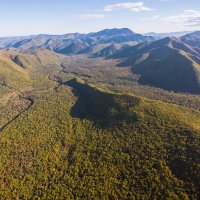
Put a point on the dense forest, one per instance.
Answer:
(78, 127)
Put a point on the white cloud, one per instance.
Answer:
(188, 18)
(135, 7)
(151, 18)
(92, 16)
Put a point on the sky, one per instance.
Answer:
(28, 17)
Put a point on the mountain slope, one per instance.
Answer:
(167, 63)
(192, 39)
(113, 49)
(37, 59)
(22, 70)
(12, 76)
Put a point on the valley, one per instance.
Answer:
(87, 125)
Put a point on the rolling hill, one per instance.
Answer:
(167, 63)
(20, 69)
(12, 76)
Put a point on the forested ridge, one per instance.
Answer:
(78, 127)
(82, 142)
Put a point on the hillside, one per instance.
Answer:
(192, 39)
(85, 142)
(78, 127)
(12, 76)
(165, 63)
(112, 49)
(146, 58)
(20, 72)
(29, 61)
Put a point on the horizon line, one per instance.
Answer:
(49, 34)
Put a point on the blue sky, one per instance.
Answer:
(25, 17)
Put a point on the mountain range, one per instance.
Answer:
(170, 34)
(91, 116)
(74, 42)
(170, 63)
(167, 63)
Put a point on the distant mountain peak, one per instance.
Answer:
(113, 32)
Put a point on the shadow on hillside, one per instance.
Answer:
(105, 109)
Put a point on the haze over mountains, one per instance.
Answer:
(74, 42)
(170, 63)
(192, 39)
(166, 63)
(170, 34)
